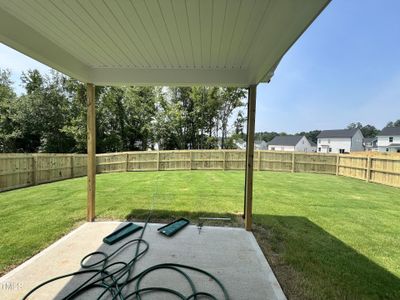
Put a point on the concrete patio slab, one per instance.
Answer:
(231, 254)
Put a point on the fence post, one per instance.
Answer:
(191, 158)
(337, 164)
(127, 162)
(224, 164)
(34, 171)
(293, 162)
(158, 160)
(72, 166)
(259, 160)
(368, 175)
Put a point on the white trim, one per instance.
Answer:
(23, 38)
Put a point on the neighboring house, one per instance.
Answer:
(370, 144)
(313, 146)
(389, 140)
(292, 143)
(340, 141)
(240, 144)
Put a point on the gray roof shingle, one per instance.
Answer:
(286, 140)
(390, 131)
(338, 133)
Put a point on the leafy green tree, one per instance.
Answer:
(7, 100)
(75, 129)
(310, 135)
(51, 116)
(357, 125)
(239, 123)
(393, 123)
(41, 113)
(231, 99)
(369, 131)
(32, 80)
(140, 113)
(267, 136)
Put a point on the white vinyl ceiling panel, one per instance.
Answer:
(158, 42)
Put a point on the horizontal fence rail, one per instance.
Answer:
(22, 170)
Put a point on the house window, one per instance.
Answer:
(387, 149)
(391, 139)
(330, 149)
(319, 149)
(341, 151)
(273, 148)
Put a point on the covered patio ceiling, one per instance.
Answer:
(153, 42)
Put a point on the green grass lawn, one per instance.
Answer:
(326, 237)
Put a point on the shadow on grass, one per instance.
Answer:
(166, 216)
(311, 263)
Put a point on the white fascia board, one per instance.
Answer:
(176, 77)
(263, 76)
(24, 39)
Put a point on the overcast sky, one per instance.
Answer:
(345, 68)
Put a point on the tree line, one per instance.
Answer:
(50, 116)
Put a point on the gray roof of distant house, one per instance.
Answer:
(390, 131)
(286, 140)
(338, 133)
(313, 144)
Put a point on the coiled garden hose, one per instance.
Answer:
(113, 282)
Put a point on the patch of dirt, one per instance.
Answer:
(274, 249)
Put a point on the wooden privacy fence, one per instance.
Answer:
(21, 170)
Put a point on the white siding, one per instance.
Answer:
(383, 142)
(281, 148)
(302, 146)
(335, 144)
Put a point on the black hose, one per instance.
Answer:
(113, 282)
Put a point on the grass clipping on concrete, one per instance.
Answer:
(326, 237)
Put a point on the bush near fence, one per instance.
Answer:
(21, 170)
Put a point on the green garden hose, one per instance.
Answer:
(113, 282)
